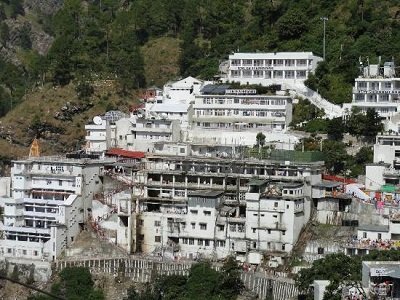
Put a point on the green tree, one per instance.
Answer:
(260, 139)
(372, 125)
(292, 24)
(335, 156)
(335, 129)
(25, 38)
(4, 33)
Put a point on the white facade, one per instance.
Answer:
(134, 133)
(50, 201)
(241, 111)
(275, 215)
(377, 88)
(140, 134)
(386, 166)
(100, 137)
(177, 101)
(210, 192)
(270, 68)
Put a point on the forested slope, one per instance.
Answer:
(137, 43)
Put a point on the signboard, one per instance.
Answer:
(240, 92)
(260, 68)
(378, 92)
(380, 272)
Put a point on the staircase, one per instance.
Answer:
(300, 90)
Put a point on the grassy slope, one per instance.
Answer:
(161, 60)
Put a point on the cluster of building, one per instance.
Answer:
(191, 188)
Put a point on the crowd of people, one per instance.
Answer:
(375, 244)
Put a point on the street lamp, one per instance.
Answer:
(324, 19)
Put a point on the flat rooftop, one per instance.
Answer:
(64, 160)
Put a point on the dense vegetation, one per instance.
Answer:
(102, 38)
(74, 283)
(341, 270)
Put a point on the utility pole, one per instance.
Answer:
(324, 19)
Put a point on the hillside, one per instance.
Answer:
(48, 48)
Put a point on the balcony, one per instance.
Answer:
(391, 173)
(97, 138)
(152, 129)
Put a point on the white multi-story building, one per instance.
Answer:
(377, 88)
(269, 68)
(50, 201)
(140, 134)
(177, 101)
(134, 133)
(100, 136)
(385, 168)
(210, 192)
(240, 110)
(275, 214)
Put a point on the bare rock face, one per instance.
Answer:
(46, 7)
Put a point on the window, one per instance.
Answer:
(182, 150)
(232, 227)
(184, 241)
(275, 216)
(254, 245)
(320, 250)
(283, 247)
(35, 253)
(220, 227)
(207, 213)
(141, 222)
(220, 243)
(194, 212)
(206, 243)
(269, 231)
(157, 223)
(193, 225)
(379, 236)
(60, 182)
(364, 235)
(157, 239)
(200, 242)
(191, 241)
(240, 228)
(203, 226)
(283, 232)
(254, 230)
(24, 252)
(275, 204)
(287, 206)
(9, 250)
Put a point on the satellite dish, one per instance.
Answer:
(97, 120)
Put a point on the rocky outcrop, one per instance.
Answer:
(70, 109)
(45, 7)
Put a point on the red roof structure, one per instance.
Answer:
(338, 179)
(125, 153)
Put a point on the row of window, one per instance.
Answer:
(269, 62)
(269, 74)
(371, 98)
(232, 126)
(374, 85)
(205, 212)
(237, 112)
(245, 101)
